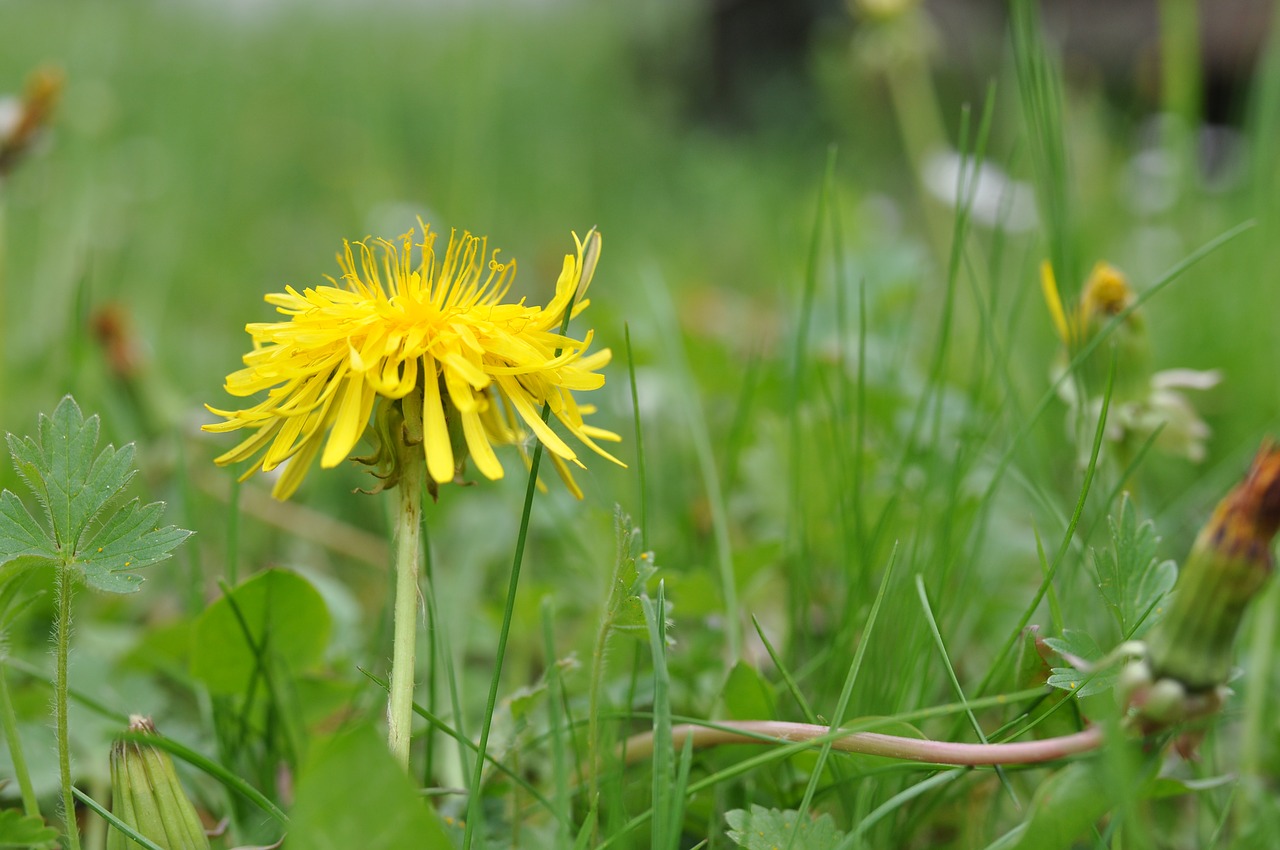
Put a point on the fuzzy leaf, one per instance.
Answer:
(77, 488)
(766, 829)
(126, 541)
(20, 534)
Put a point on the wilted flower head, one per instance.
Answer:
(1142, 401)
(22, 119)
(1229, 564)
(433, 333)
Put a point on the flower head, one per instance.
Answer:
(433, 333)
(1143, 402)
(1106, 295)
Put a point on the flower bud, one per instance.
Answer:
(146, 795)
(1229, 563)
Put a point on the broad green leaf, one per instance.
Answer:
(77, 490)
(1064, 807)
(747, 695)
(19, 830)
(1130, 578)
(287, 622)
(769, 829)
(351, 793)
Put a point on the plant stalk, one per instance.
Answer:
(62, 636)
(9, 719)
(405, 639)
(640, 747)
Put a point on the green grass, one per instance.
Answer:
(857, 480)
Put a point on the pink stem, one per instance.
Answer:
(640, 747)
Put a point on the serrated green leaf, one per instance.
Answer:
(19, 830)
(128, 540)
(60, 467)
(769, 829)
(77, 489)
(1077, 644)
(1130, 578)
(20, 533)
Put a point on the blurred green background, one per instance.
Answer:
(205, 154)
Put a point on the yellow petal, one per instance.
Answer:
(519, 398)
(350, 420)
(435, 431)
(479, 447)
(1049, 286)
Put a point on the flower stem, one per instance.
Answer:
(30, 803)
(640, 747)
(63, 638)
(404, 642)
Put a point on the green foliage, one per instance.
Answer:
(1131, 579)
(77, 489)
(1078, 645)
(769, 829)
(810, 395)
(27, 831)
(747, 695)
(1132, 582)
(1064, 807)
(353, 794)
(275, 617)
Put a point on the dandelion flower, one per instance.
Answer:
(435, 330)
(1143, 402)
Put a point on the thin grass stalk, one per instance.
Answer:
(795, 539)
(663, 748)
(639, 436)
(555, 724)
(508, 613)
(846, 694)
(700, 435)
(1253, 737)
(9, 719)
(1067, 536)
